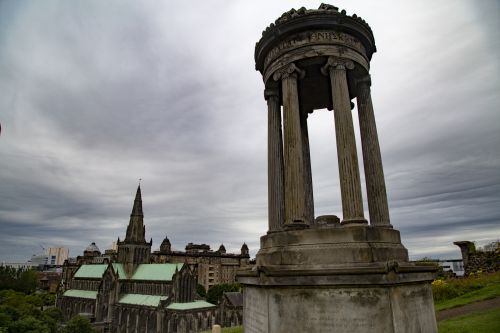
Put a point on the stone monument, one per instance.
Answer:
(322, 274)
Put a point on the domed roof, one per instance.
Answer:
(92, 248)
(165, 241)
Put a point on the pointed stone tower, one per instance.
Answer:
(134, 250)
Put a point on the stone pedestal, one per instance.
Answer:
(337, 279)
(342, 309)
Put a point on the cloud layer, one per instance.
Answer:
(97, 95)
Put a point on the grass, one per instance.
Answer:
(480, 322)
(488, 292)
(451, 293)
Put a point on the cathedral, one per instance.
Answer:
(129, 293)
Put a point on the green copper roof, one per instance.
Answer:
(120, 270)
(80, 293)
(155, 272)
(150, 272)
(91, 271)
(96, 271)
(139, 299)
(189, 305)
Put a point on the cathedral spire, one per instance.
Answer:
(135, 228)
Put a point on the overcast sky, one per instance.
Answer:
(97, 94)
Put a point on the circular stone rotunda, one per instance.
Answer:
(320, 274)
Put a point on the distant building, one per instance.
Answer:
(213, 267)
(57, 255)
(49, 280)
(17, 265)
(38, 261)
(454, 265)
(131, 294)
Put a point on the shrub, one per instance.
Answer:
(78, 324)
(454, 287)
(214, 294)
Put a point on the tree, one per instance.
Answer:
(78, 324)
(214, 294)
(52, 317)
(200, 290)
(21, 313)
(20, 279)
(492, 247)
(27, 281)
(54, 314)
(29, 324)
(5, 319)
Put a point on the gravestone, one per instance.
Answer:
(324, 274)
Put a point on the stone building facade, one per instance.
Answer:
(213, 267)
(131, 294)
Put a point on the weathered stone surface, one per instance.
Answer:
(276, 194)
(320, 275)
(478, 261)
(327, 219)
(323, 246)
(295, 174)
(342, 310)
(350, 184)
(374, 172)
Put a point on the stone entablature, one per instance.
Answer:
(314, 38)
(311, 20)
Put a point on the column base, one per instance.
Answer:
(296, 225)
(354, 221)
(385, 225)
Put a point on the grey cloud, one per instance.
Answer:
(96, 95)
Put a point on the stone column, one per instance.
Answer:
(307, 166)
(350, 185)
(372, 159)
(275, 180)
(295, 183)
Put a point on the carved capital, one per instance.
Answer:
(271, 93)
(336, 63)
(287, 71)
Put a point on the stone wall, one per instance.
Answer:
(72, 306)
(478, 261)
(188, 321)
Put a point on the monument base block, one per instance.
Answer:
(339, 279)
(387, 309)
